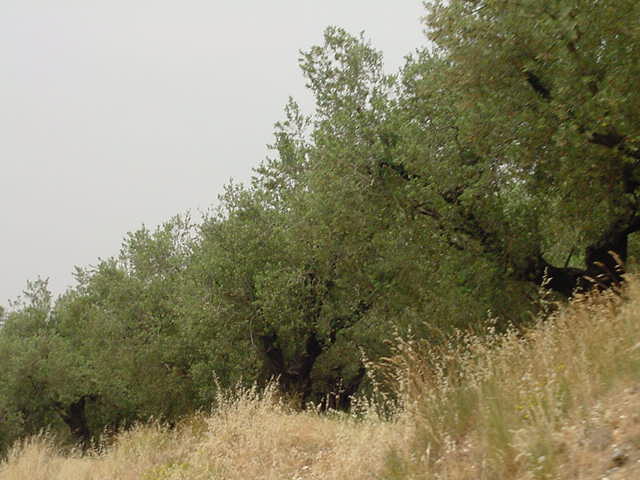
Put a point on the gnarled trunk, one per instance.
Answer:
(74, 415)
(294, 377)
(604, 264)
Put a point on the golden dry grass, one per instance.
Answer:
(560, 400)
(253, 436)
(545, 403)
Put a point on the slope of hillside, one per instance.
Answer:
(561, 400)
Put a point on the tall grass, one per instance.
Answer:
(522, 404)
(253, 435)
(558, 400)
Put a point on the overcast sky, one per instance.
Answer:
(115, 113)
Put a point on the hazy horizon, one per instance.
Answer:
(117, 114)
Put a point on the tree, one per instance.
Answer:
(45, 381)
(324, 253)
(108, 352)
(544, 98)
(125, 317)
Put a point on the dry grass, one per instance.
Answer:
(561, 400)
(557, 401)
(253, 436)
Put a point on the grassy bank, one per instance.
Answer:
(558, 401)
(561, 400)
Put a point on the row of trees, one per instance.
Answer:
(419, 202)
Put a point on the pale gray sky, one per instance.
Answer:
(115, 113)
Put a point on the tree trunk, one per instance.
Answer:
(74, 415)
(605, 260)
(294, 377)
(604, 265)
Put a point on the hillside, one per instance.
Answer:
(560, 400)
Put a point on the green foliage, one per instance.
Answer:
(546, 92)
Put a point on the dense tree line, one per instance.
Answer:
(502, 157)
